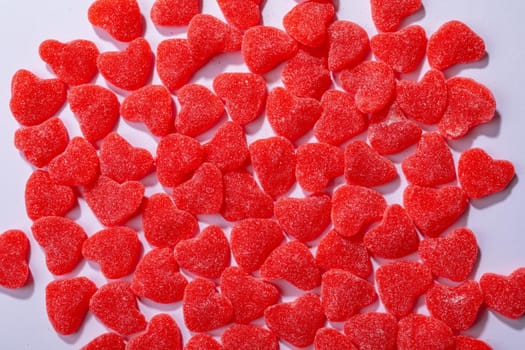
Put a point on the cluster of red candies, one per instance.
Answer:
(272, 234)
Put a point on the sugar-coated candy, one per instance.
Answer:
(243, 198)
(329, 338)
(120, 18)
(115, 305)
(34, 100)
(41, 143)
(296, 322)
(201, 341)
(162, 333)
(96, 108)
(372, 331)
(200, 110)
(164, 224)
(452, 256)
(203, 193)
(206, 255)
(157, 277)
(252, 240)
(343, 294)
(454, 42)
(434, 209)
(116, 250)
(388, 15)
(467, 343)
(394, 237)
(340, 119)
(78, 165)
(67, 303)
(306, 75)
(248, 295)
(113, 203)
(264, 48)
(354, 208)
(74, 62)
(336, 252)
(432, 164)
(291, 116)
(248, 337)
(424, 101)
(175, 63)
(306, 218)
(244, 95)
(151, 105)
(174, 12)
(227, 149)
(177, 157)
(505, 294)
(348, 45)
(403, 50)
(307, 22)
(14, 249)
(294, 263)
(400, 283)
(469, 104)
(121, 161)
(419, 332)
(240, 13)
(390, 132)
(273, 161)
(366, 167)
(62, 240)
(106, 341)
(372, 84)
(209, 36)
(456, 306)
(317, 164)
(480, 175)
(204, 308)
(43, 197)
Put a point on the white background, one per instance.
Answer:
(498, 220)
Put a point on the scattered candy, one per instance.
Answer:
(162, 333)
(174, 12)
(201, 341)
(120, 18)
(348, 45)
(175, 63)
(388, 15)
(307, 75)
(505, 295)
(307, 22)
(227, 149)
(328, 338)
(241, 14)
(372, 331)
(14, 249)
(317, 165)
(419, 332)
(106, 341)
(247, 337)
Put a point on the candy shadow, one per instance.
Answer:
(23, 293)
(256, 125)
(518, 324)
(171, 307)
(491, 200)
(480, 324)
(219, 64)
(171, 31)
(459, 68)
(390, 187)
(105, 36)
(490, 129)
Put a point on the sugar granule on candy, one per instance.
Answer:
(247, 337)
(293, 262)
(467, 343)
(452, 256)
(317, 164)
(115, 305)
(106, 341)
(252, 240)
(202, 341)
(206, 255)
(274, 160)
(348, 45)
(41, 143)
(120, 18)
(227, 149)
(162, 333)
(296, 322)
(14, 250)
(505, 294)
(62, 241)
(419, 332)
(157, 277)
(372, 331)
(174, 12)
(34, 100)
(329, 338)
(240, 13)
(388, 15)
(67, 303)
(306, 218)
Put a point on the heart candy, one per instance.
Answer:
(241, 14)
(466, 343)
(162, 333)
(120, 18)
(372, 331)
(14, 268)
(206, 255)
(204, 308)
(329, 338)
(348, 45)
(505, 294)
(113, 203)
(480, 175)
(67, 303)
(62, 241)
(202, 341)
(307, 22)
(388, 15)
(296, 322)
(249, 296)
(247, 337)
(174, 12)
(74, 62)
(424, 332)
(317, 165)
(34, 100)
(157, 277)
(227, 149)
(106, 341)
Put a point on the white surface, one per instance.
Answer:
(498, 220)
